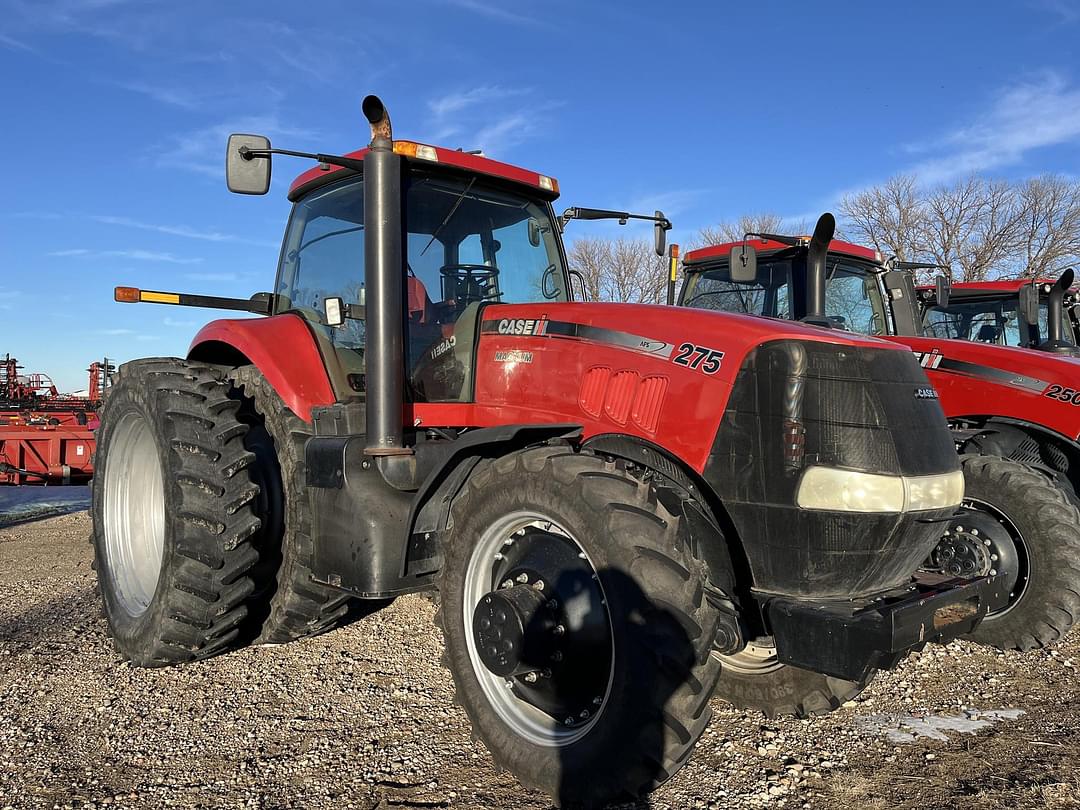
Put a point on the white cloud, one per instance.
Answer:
(203, 150)
(180, 324)
(181, 230)
(454, 102)
(114, 332)
(212, 276)
(495, 12)
(136, 255)
(1039, 112)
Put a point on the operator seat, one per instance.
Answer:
(988, 333)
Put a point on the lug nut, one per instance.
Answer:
(986, 543)
(584, 714)
(993, 572)
(522, 577)
(539, 584)
(975, 532)
(569, 721)
(596, 701)
(558, 630)
(507, 584)
(530, 677)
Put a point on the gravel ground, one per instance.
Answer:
(364, 717)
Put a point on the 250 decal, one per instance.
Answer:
(699, 357)
(1060, 392)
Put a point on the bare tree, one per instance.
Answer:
(620, 269)
(1049, 228)
(765, 222)
(890, 217)
(969, 226)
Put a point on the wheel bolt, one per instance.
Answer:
(994, 557)
(530, 677)
(523, 577)
(986, 543)
(569, 721)
(498, 556)
(584, 714)
(993, 572)
(558, 630)
(596, 701)
(539, 584)
(507, 584)
(975, 532)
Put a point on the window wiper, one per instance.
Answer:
(328, 235)
(449, 216)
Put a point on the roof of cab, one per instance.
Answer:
(767, 245)
(1005, 285)
(323, 173)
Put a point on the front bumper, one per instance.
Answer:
(850, 641)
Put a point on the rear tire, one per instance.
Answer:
(659, 625)
(174, 526)
(295, 606)
(1046, 524)
(754, 679)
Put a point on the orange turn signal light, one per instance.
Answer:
(127, 295)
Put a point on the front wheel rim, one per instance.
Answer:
(505, 557)
(134, 514)
(757, 658)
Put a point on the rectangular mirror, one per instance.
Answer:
(943, 289)
(743, 264)
(245, 174)
(1029, 304)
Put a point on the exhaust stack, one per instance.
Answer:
(383, 278)
(816, 254)
(1055, 338)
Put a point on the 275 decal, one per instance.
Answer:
(700, 357)
(1060, 392)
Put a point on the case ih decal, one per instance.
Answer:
(934, 360)
(542, 327)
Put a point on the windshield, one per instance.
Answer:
(852, 299)
(989, 320)
(468, 243)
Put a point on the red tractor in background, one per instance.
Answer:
(1014, 414)
(623, 512)
(1030, 313)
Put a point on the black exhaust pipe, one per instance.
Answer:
(1055, 332)
(383, 278)
(816, 254)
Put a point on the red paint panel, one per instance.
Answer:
(620, 395)
(766, 245)
(647, 403)
(447, 157)
(282, 348)
(593, 388)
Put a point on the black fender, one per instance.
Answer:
(712, 534)
(430, 511)
(1055, 455)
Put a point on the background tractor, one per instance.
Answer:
(619, 508)
(1013, 412)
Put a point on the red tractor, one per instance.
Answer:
(1031, 313)
(623, 512)
(1012, 412)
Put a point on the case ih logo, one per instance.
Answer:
(522, 326)
(930, 359)
(925, 393)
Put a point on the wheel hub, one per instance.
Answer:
(514, 630)
(962, 554)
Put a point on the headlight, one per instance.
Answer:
(835, 490)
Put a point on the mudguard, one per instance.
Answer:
(281, 347)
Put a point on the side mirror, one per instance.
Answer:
(534, 232)
(943, 290)
(1029, 304)
(244, 172)
(660, 229)
(744, 264)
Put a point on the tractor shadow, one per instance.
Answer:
(627, 752)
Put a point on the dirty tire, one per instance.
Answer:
(661, 627)
(1049, 524)
(293, 605)
(188, 600)
(782, 690)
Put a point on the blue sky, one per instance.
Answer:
(116, 114)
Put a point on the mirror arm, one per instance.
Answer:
(333, 160)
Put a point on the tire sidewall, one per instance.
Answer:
(615, 736)
(133, 634)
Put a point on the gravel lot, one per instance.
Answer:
(364, 717)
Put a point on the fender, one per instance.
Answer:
(1014, 432)
(281, 347)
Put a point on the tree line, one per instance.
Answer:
(979, 228)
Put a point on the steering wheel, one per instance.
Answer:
(468, 283)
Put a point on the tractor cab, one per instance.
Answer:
(1016, 312)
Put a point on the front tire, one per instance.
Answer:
(612, 706)
(1030, 529)
(173, 520)
(754, 679)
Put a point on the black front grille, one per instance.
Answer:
(796, 405)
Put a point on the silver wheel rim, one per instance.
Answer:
(523, 718)
(758, 657)
(134, 514)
